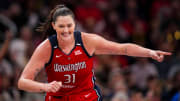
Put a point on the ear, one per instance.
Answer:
(53, 25)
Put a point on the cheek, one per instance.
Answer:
(59, 30)
(72, 29)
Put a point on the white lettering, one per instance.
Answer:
(70, 67)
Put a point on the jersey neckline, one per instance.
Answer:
(67, 54)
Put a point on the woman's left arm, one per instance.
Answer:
(103, 46)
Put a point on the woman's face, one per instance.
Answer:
(64, 26)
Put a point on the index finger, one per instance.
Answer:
(165, 53)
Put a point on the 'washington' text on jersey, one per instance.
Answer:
(70, 67)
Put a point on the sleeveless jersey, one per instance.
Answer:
(74, 70)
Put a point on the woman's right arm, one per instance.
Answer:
(40, 56)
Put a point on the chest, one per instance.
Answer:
(75, 67)
(76, 61)
(76, 55)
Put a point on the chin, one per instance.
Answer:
(66, 38)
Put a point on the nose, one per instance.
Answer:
(65, 30)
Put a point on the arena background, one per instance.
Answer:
(153, 24)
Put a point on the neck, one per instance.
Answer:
(63, 44)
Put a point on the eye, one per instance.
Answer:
(61, 26)
(69, 25)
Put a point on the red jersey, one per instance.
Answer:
(74, 70)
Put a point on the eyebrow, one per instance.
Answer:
(65, 24)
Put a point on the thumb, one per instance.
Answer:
(60, 83)
(154, 55)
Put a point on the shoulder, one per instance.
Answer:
(43, 51)
(93, 39)
(45, 45)
(90, 37)
(90, 41)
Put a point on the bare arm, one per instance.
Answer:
(34, 66)
(99, 45)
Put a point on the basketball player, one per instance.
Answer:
(66, 56)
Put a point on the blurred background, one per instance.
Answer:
(153, 24)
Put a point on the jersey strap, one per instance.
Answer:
(79, 42)
(53, 41)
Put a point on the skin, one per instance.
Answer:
(94, 44)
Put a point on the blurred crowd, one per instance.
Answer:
(153, 24)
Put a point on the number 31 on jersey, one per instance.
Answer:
(70, 78)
